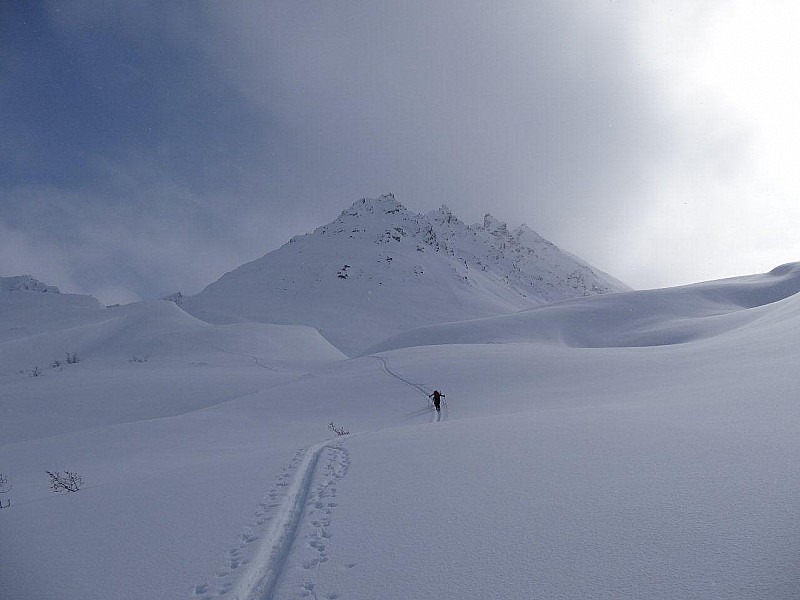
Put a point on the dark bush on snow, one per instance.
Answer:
(337, 430)
(5, 488)
(68, 482)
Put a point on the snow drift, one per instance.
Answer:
(641, 318)
(575, 461)
(142, 360)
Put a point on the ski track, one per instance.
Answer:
(417, 386)
(421, 388)
(253, 571)
(316, 535)
(254, 358)
(298, 507)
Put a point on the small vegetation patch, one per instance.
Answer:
(66, 482)
(337, 430)
(5, 488)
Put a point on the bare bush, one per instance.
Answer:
(55, 364)
(337, 430)
(68, 482)
(5, 488)
(72, 358)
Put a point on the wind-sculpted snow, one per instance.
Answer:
(565, 470)
(642, 318)
(142, 360)
(380, 269)
(158, 329)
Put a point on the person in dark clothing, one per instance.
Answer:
(437, 399)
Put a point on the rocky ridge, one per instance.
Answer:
(379, 269)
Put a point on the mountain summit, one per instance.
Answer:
(26, 283)
(379, 269)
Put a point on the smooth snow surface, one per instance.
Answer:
(379, 269)
(639, 445)
(641, 318)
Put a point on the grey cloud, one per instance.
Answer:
(118, 253)
(216, 131)
(533, 107)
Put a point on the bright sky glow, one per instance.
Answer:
(731, 203)
(152, 149)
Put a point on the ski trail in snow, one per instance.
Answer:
(312, 544)
(258, 572)
(254, 358)
(417, 386)
(255, 574)
(421, 388)
(260, 583)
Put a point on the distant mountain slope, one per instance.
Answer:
(26, 283)
(138, 361)
(28, 307)
(380, 269)
(642, 318)
(39, 324)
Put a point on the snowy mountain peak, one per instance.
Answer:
(495, 226)
(442, 212)
(528, 237)
(444, 216)
(26, 283)
(385, 204)
(379, 269)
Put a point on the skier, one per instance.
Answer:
(437, 398)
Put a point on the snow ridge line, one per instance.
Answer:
(268, 564)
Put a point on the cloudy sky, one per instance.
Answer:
(150, 147)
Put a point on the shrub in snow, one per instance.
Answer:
(55, 364)
(138, 359)
(72, 358)
(177, 298)
(68, 482)
(337, 430)
(36, 371)
(5, 488)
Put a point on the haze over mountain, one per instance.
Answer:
(380, 269)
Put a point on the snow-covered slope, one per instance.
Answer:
(162, 331)
(26, 283)
(28, 306)
(380, 269)
(74, 363)
(602, 467)
(640, 318)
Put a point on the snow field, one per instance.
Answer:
(565, 470)
(576, 503)
(628, 319)
(170, 497)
